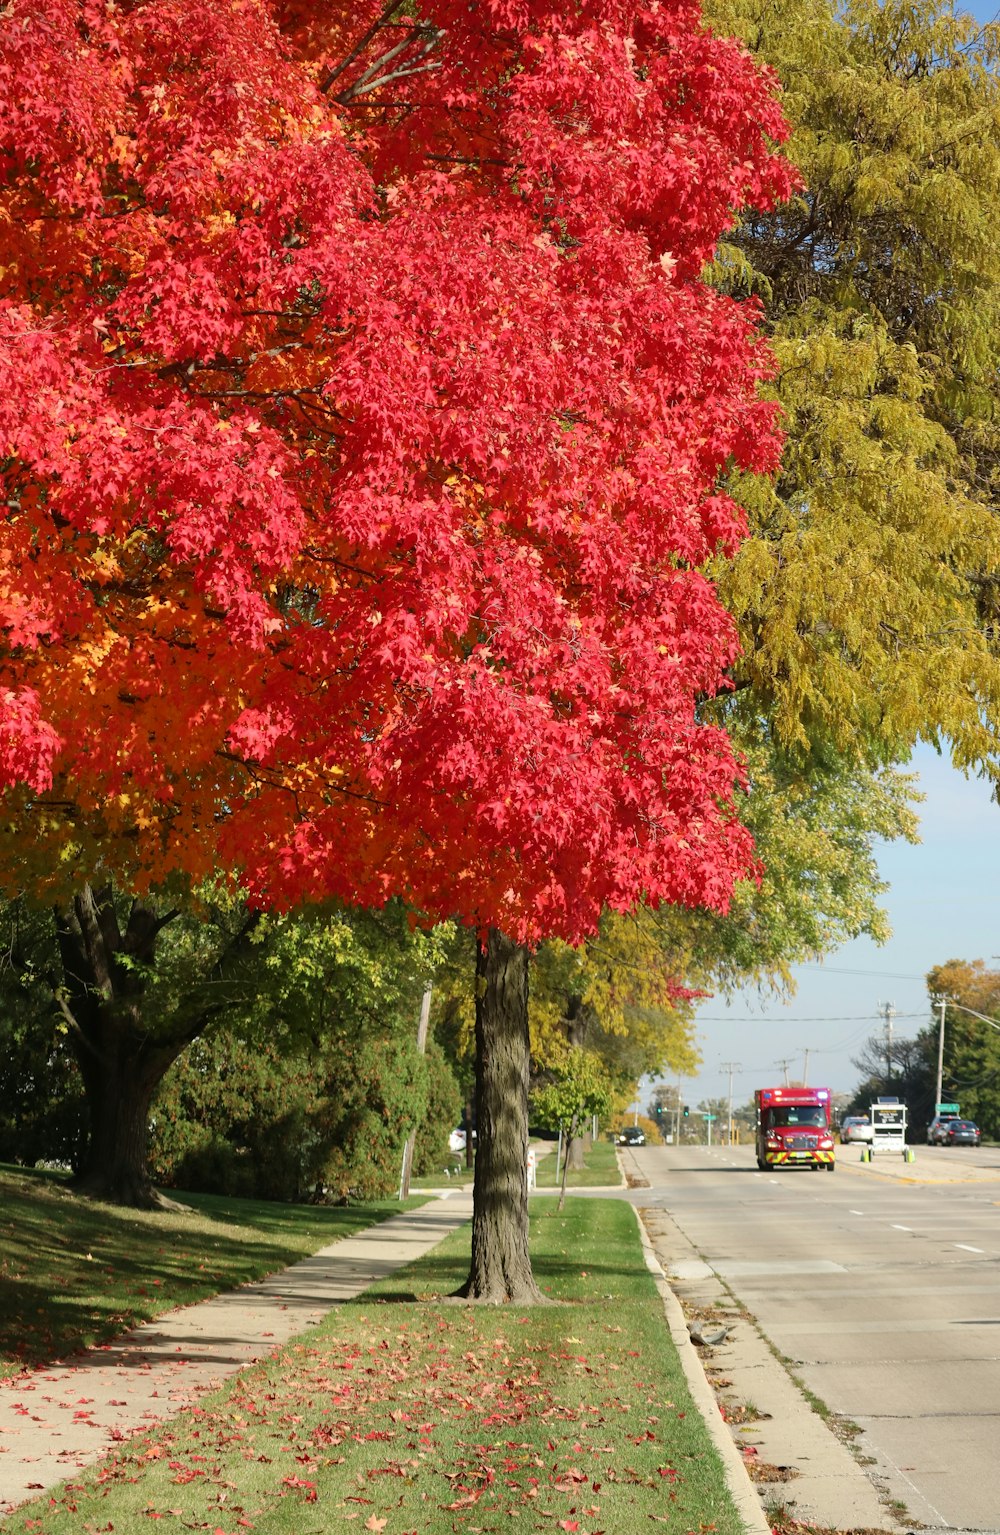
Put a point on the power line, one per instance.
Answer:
(786, 1018)
(885, 975)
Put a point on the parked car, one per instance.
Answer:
(632, 1135)
(937, 1130)
(961, 1132)
(855, 1128)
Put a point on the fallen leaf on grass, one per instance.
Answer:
(375, 1523)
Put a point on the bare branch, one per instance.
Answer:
(359, 48)
(373, 77)
(398, 74)
(387, 58)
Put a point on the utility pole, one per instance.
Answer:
(677, 1115)
(940, 1061)
(783, 1066)
(889, 1012)
(731, 1066)
(805, 1068)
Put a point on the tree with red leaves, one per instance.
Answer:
(364, 416)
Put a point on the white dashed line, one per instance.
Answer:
(967, 1249)
(855, 1212)
(902, 1228)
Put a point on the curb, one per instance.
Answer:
(741, 1488)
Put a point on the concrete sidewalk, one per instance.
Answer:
(55, 1421)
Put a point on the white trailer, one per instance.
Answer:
(888, 1122)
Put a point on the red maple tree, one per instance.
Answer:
(363, 414)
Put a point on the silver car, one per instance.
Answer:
(855, 1128)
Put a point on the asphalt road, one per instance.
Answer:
(881, 1285)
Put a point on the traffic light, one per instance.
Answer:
(659, 1111)
(685, 1111)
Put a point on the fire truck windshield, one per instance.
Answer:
(789, 1114)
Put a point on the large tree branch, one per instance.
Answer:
(424, 36)
(346, 97)
(361, 45)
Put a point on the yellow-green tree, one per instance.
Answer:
(869, 593)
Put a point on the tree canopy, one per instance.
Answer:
(867, 592)
(363, 412)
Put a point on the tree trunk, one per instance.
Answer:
(579, 1145)
(119, 1099)
(500, 1270)
(576, 1028)
(120, 1058)
(565, 1169)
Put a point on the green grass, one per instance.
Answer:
(600, 1169)
(459, 1177)
(74, 1272)
(416, 1416)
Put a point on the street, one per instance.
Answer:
(881, 1288)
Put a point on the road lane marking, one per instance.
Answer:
(902, 1228)
(855, 1212)
(966, 1249)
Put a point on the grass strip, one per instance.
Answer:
(599, 1170)
(410, 1415)
(74, 1273)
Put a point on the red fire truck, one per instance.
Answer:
(793, 1127)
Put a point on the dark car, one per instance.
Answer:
(961, 1132)
(632, 1135)
(937, 1130)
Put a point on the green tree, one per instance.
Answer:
(241, 1116)
(442, 1113)
(971, 1061)
(131, 985)
(574, 1094)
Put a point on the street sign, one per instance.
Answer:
(947, 1108)
(710, 1116)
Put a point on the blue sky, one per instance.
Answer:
(943, 903)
